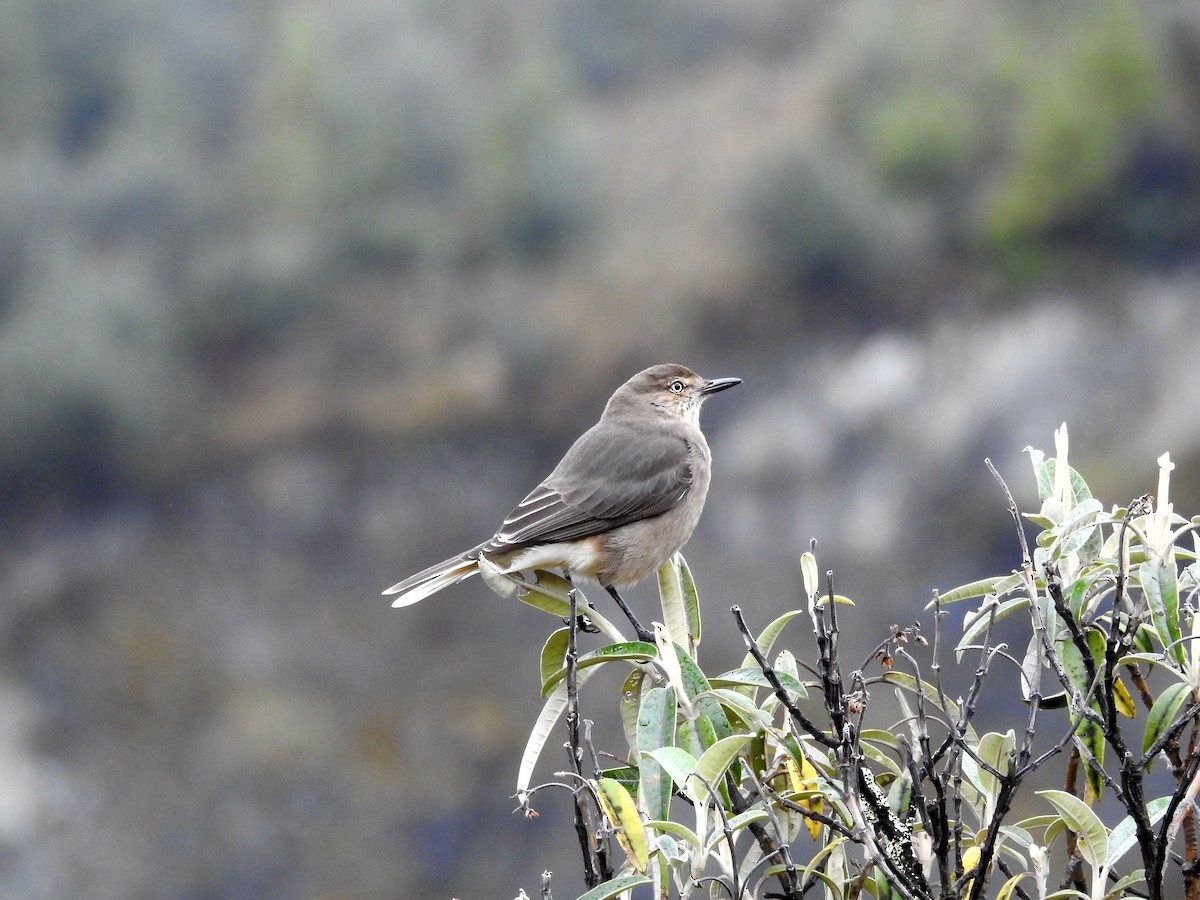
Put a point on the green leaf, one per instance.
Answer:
(656, 729)
(744, 709)
(627, 775)
(666, 826)
(630, 705)
(636, 651)
(880, 736)
(975, 624)
(695, 684)
(1120, 887)
(1074, 665)
(548, 592)
(615, 887)
(691, 599)
(996, 750)
(716, 760)
(674, 616)
(766, 639)
(677, 763)
(1163, 713)
(1079, 817)
(622, 813)
(754, 677)
(900, 795)
(1161, 587)
(997, 584)
(1091, 736)
(554, 653)
(697, 735)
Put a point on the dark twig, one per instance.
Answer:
(588, 820)
(802, 721)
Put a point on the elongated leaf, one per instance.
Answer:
(656, 729)
(808, 574)
(630, 706)
(622, 813)
(636, 651)
(548, 592)
(1123, 837)
(696, 685)
(756, 720)
(691, 600)
(995, 750)
(716, 760)
(677, 763)
(766, 638)
(1079, 817)
(615, 887)
(1163, 713)
(542, 726)
(1079, 529)
(554, 653)
(500, 582)
(909, 683)
(1009, 886)
(1123, 700)
(977, 623)
(1162, 595)
(1074, 666)
(666, 826)
(997, 584)
(1091, 736)
(755, 677)
(880, 737)
(671, 595)
(1120, 887)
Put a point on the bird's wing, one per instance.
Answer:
(601, 484)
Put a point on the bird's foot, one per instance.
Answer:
(583, 623)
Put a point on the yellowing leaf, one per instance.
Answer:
(622, 813)
(970, 860)
(802, 778)
(1122, 699)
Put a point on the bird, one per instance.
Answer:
(624, 498)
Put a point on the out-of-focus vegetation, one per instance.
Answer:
(297, 296)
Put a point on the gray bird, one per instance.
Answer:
(622, 501)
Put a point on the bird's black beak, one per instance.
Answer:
(719, 384)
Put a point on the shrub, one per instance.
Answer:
(725, 774)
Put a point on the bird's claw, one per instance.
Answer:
(584, 624)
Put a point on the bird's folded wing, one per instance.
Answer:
(599, 485)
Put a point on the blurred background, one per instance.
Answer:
(299, 297)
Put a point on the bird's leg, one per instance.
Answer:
(642, 632)
(582, 622)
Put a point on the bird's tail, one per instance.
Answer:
(417, 587)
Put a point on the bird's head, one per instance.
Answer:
(671, 390)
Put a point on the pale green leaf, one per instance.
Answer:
(1080, 818)
(716, 760)
(615, 887)
(542, 726)
(677, 763)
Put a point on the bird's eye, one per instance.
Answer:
(676, 387)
